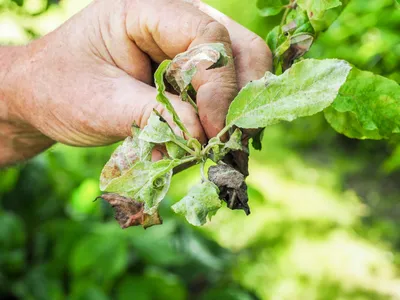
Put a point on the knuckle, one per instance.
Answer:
(214, 30)
(259, 45)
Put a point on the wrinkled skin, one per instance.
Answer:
(87, 82)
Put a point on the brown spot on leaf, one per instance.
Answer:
(129, 212)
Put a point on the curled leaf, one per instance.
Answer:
(183, 67)
(162, 97)
(201, 202)
(129, 212)
(231, 184)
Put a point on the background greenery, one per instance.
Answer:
(325, 208)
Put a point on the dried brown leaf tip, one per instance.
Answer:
(129, 212)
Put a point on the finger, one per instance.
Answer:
(174, 29)
(252, 56)
(132, 101)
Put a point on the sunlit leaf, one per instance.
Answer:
(304, 90)
(367, 107)
(201, 202)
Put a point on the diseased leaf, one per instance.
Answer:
(235, 140)
(299, 45)
(271, 7)
(222, 149)
(201, 202)
(157, 131)
(146, 182)
(129, 212)
(124, 157)
(367, 107)
(144, 148)
(183, 67)
(162, 98)
(305, 89)
(231, 184)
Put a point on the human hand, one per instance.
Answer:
(87, 82)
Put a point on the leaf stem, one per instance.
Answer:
(285, 14)
(224, 130)
(203, 164)
(184, 147)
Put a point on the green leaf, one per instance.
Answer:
(201, 202)
(235, 141)
(322, 13)
(271, 7)
(220, 150)
(174, 151)
(347, 124)
(162, 98)
(367, 107)
(156, 131)
(124, 157)
(305, 89)
(318, 7)
(257, 140)
(146, 182)
(183, 67)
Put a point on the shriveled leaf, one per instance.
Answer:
(161, 96)
(299, 45)
(231, 184)
(157, 131)
(146, 182)
(129, 212)
(367, 107)
(201, 202)
(271, 7)
(183, 67)
(124, 157)
(305, 89)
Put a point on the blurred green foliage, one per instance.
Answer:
(325, 209)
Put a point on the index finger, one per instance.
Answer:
(252, 56)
